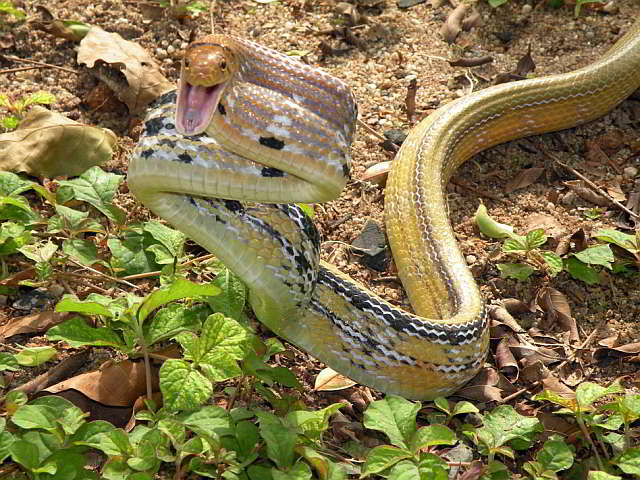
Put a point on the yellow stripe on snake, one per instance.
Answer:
(252, 125)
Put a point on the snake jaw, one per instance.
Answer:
(196, 105)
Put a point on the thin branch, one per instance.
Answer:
(41, 64)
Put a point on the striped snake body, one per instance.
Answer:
(252, 125)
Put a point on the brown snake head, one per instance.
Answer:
(207, 67)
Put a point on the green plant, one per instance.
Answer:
(17, 108)
(7, 8)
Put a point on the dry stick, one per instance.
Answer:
(41, 64)
(113, 279)
(20, 69)
(371, 130)
(138, 276)
(591, 184)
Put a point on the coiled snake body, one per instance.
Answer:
(252, 125)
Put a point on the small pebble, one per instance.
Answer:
(526, 9)
(629, 172)
(171, 49)
(161, 53)
(470, 259)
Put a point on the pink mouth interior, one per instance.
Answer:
(196, 106)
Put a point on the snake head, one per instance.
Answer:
(207, 67)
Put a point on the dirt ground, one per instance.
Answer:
(393, 47)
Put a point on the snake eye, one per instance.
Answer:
(223, 65)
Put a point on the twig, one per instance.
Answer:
(592, 185)
(371, 130)
(41, 64)
(98, 272)
(20, 69)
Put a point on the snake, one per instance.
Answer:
(250, 133)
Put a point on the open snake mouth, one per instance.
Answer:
(195, 106)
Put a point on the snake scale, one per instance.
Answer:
(251, 130)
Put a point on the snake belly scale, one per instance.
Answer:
(251, 131)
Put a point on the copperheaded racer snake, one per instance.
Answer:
(253, 130)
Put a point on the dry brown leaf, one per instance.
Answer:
(47, 144)
(117, 385)
(556, 307)
(576, 243)
(515, 306)
(548, 223)
(553, 384)
(474, 471)
(143, 80)
(505, 360)
(608, 349)
(533, 370)
(571, 373)
(377, 173)
(586, 193)
(34, 323)
(526, 64)
(615, 192)
(524, 178)
(503, 317)
(452, 27)
(329, 380)
(480, 393)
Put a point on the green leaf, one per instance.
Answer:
(404, 470)
(12, 237)
(221, 336)
(313, 424)
(598, 255)
(67, 414)
(489, 226)
(6, 440)
(182, 386)
(442, 404)
(82, 251)
(96, 187)
(628, 406)
(41, 97)
(629, 461)
(582, 271)
(394, 416)
(34, 356)
(16, 208)
(179, 289)
(504, 425)
(464, 407)
(70, 303)
(41, 252)
(130, 255)
(623, 240)
(77, 333)
(26, 454)
(207, 421)
(10, 122)
(174, 319)
(383, 457)
(432, 467)
(496, 3)
(247, 436)
(8, 362)
(535, 238)
(35, 416)
(233, 294)
(432, 435)
(555, 455)
(300, 471)
(588, 392)
(515, 244)
(553, 397)
(554, 262)
(14, 400)
(280, 439)
(598, 475)
(519, 271)
(92, 434)
(171, 239)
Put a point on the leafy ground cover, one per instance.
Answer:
(129, 352)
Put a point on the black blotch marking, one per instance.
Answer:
(153, 126)
(272, 142)
(169, 97)
(185, 158)
(221, 109)
(271, 172)
(170, 126)
(169, 143)
(233, 206)
(146, 153)
(345, 170)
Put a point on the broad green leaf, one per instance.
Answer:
(232, 297)
(432, 435)
(599, 475)
(8, 362)
(496, 3)
(432, 467)
(300, 471)
(504, 425)
(535, 238)
(221, 368)
(394, 416)
(553, 261)
(629, 461)
(13, 237)
(171, 239)
(588, 392)
(40, 97)
(35, 416)
(519, 271)
(383, 457)
(183, 387)
(464, 407)
(598, 255)
(131, 255)
(180, 289)
(81, 250)
(96, 187)
(173, 429)
(623, 240)
(92, 434)
(313, 423)
(26, 454)
(442, 404)
(515, 244)
(489, 226)
(555, 455)
(41, 252)
(207, 421)
(70, 303)
(582, 271)
(174, 319)
(404, 470)
(280, 439)
(553, 397)
(67, 414)
(14, 400)
(628, 406)
(16, 208)
(6, 440)
(222, 336)
(34, 356)
(77, 333)
(247, 436)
